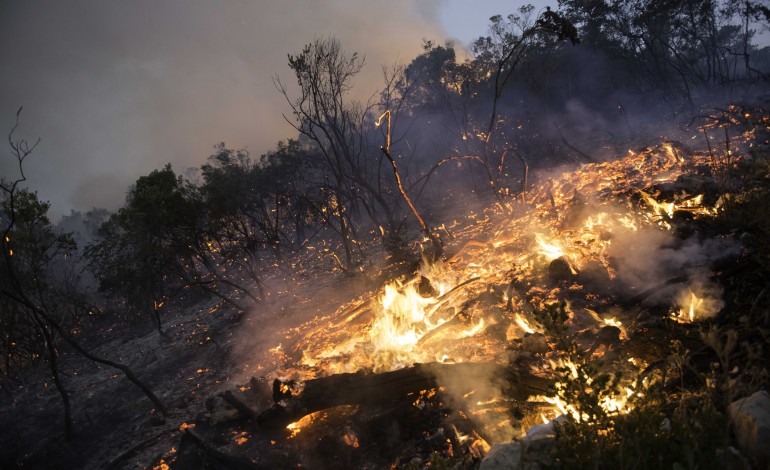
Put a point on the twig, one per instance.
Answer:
(449, 293)
(524, 179)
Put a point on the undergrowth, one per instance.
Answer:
(676, 411)
(666, 427)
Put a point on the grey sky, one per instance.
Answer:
(116, 89)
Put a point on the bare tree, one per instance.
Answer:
(338, 126)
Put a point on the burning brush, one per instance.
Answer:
(534, 317)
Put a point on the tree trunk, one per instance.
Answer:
(294, 400)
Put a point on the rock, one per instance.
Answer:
(560, 270)
(595, 278)
(529, 453)
(503, 456)
(750, 418)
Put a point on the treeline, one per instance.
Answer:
(444, 134)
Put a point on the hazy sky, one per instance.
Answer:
(116, 89)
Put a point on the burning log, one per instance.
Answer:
(295, 400)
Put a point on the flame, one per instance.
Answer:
(551, 249)
(523, 323)
(474, 330)
(400, 323)
(403, 324)
(689, 306)
(660, 209)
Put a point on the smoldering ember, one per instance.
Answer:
(551, 254)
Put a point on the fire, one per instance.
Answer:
(690, 304)
(551, 249)
(402, 319)
(660, 209)
(298, 426)
(455, 310)
(523, 323)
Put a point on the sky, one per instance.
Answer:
(116, 89)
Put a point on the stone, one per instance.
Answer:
(528, 453)
(560, 270)
(732, 458)
(503, 456)
(750, 419)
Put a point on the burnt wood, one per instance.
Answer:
(296, 400)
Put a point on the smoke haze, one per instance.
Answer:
(117, 89)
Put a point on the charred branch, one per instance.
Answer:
(438, 248)
(219, 458)
(242, 408)
(128, 453)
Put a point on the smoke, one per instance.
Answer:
(647, 257)
(484, 386)
(116, 90)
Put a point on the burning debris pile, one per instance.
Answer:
(560, 306)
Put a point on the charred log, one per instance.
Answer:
(294, 401)
(242, 408)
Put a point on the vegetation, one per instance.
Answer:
(459, 134)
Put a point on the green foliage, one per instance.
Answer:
(137, 255)
(659, 429)
(671, 47)
(656, 433)
(554, 319)
(37, 260)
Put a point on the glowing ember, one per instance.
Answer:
(298, 426)
(351, 439)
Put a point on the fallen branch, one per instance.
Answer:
(242, 408)
(446, 295)
(229, 461)
(134, 449)
(642, 296)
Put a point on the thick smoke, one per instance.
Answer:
(116, 90)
